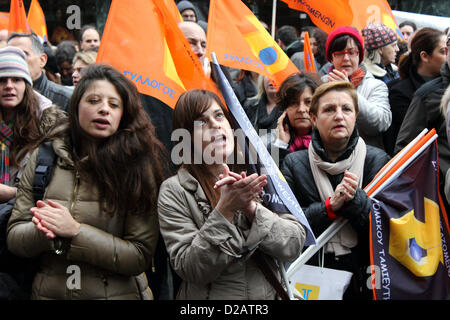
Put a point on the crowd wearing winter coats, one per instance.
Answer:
(116, 201)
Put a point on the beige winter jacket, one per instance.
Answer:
(214, 256)
(108, 255)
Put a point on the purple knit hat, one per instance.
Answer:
(377, 35)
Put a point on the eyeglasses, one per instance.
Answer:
(341, 54)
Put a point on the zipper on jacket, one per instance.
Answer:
(153, 265)
(105, 284)
(75, 191)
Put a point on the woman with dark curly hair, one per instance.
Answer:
(98, 211)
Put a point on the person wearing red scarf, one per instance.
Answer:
(294, 125)
(345, 50)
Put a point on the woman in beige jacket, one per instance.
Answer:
(96, 230)
(211, 224)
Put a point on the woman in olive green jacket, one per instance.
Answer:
(96, 229)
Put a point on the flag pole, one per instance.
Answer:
(339, 223)
(274, 17)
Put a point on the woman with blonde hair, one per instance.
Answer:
(81, 61)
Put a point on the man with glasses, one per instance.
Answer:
(345, 50)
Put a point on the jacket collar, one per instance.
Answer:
(320, 150)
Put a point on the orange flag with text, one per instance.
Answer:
(17, 17)
(142, 40)
(36, 20)
(310, 66)
(328, 15)
(240, 41)
(4, 20)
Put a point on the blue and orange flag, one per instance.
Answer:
(240, 41)
(36, 20)
(142, 40)
(310, 66)
(409, 239)
(17, 17)
(328, 15)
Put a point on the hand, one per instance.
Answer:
(237, 192)
(54, 220)
(6, 192)
(283, 133)
(336, 75)
(345, 191)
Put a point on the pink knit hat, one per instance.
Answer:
(377, 35)
(344, 30)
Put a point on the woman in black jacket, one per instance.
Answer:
(422, 64)
(327, 180)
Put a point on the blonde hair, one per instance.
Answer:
(333, 86)
(445, 101)
(87, 57)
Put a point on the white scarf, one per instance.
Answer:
(346, 238)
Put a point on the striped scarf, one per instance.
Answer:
(6, 137)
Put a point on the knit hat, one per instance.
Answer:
(184, 5)
(377, 35)
(344, 30)
(13, 64)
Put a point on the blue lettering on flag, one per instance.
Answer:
(155, 84)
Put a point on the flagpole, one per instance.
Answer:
(274, 17)
(339, 223)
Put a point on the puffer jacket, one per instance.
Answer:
(111, 252)
(375, 114)
(214, 256)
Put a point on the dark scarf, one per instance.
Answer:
(6, 138)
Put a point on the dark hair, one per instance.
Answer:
(287, 34)
(426, 39)
(190, 107)
(321, 39)
(127, 166)
(84, 29)
(292, 88)
(26, 126)
(408, 23)
(65, 51)
(339, 44)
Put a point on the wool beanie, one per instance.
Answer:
(184, 5)
(13, 64)
(344, 30)
(377, 35)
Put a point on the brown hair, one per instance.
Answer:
(333, 86)
(25, 126)
(426, 39)
(189, 108)
(292, 88)
(127, 166)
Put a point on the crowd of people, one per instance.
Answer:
(115, 202)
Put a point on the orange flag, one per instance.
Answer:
(310, 66)
(4, 20)
(240, 41)
(328, 15)
(17, 17)
(36, 20)
(142, 40)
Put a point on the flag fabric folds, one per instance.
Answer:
(4, 20)
(36, 20)
(328, 15)
(310, 66)
(142, 40)
(410, 234)
(240, 41)
(277, 187)
(17, 17)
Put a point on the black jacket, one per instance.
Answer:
(400, 96)
(424, 112)
(297, 171)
